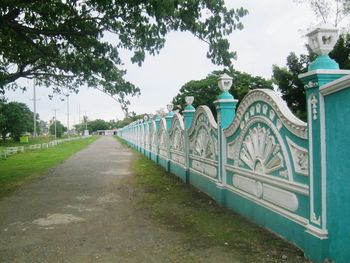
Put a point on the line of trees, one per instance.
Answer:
(16, 119)
(99, 124)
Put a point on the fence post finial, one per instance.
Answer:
(322, 40)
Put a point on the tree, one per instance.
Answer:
(15, 119)
(132, 116)
(3, 130)
(341, 52)
(42, 127)
(97, 125)
(113, 124)
(62, 43)
(60, 129)
(205, 91)
(288, 82)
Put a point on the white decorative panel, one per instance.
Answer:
(178, 158)
(280, 197)
(204, 168)
(248, 185)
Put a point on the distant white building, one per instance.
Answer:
(106, 132)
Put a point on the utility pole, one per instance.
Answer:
(55, 110)
(67, 95)
(85, 121)
(35, 134)
(80, 123)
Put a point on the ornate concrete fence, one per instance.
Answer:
(289, 176)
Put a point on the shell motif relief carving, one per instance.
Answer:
(162, 140)
(178, 140)
(261, 153)
(152, 136)
(203, 145)
(146, 137)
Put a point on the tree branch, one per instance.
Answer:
(48, 32)
(321, 12)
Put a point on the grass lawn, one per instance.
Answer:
(204, 224)
(23, 167)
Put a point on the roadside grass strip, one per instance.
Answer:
(26, 166)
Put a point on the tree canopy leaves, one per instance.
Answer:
(63, 43)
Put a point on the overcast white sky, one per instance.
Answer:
(271, 30)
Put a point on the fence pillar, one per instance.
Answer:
(225, 106)
(145, 134)
(157, 120)
(188, 114)
(150, 128)
(169, 116)
(168, 120)
(322, 71)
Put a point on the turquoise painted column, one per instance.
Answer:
(322, 71)
(150, 126)
(225, 103)
(145, 134)
(157, 120)
(188, 113)
(226, 107)
(168, 120)
(139, 132)
(169, 116)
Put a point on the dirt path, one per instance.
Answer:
(83, 211)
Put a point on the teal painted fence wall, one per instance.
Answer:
(337, 116)
(284, 174)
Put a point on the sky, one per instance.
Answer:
(272, 29)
